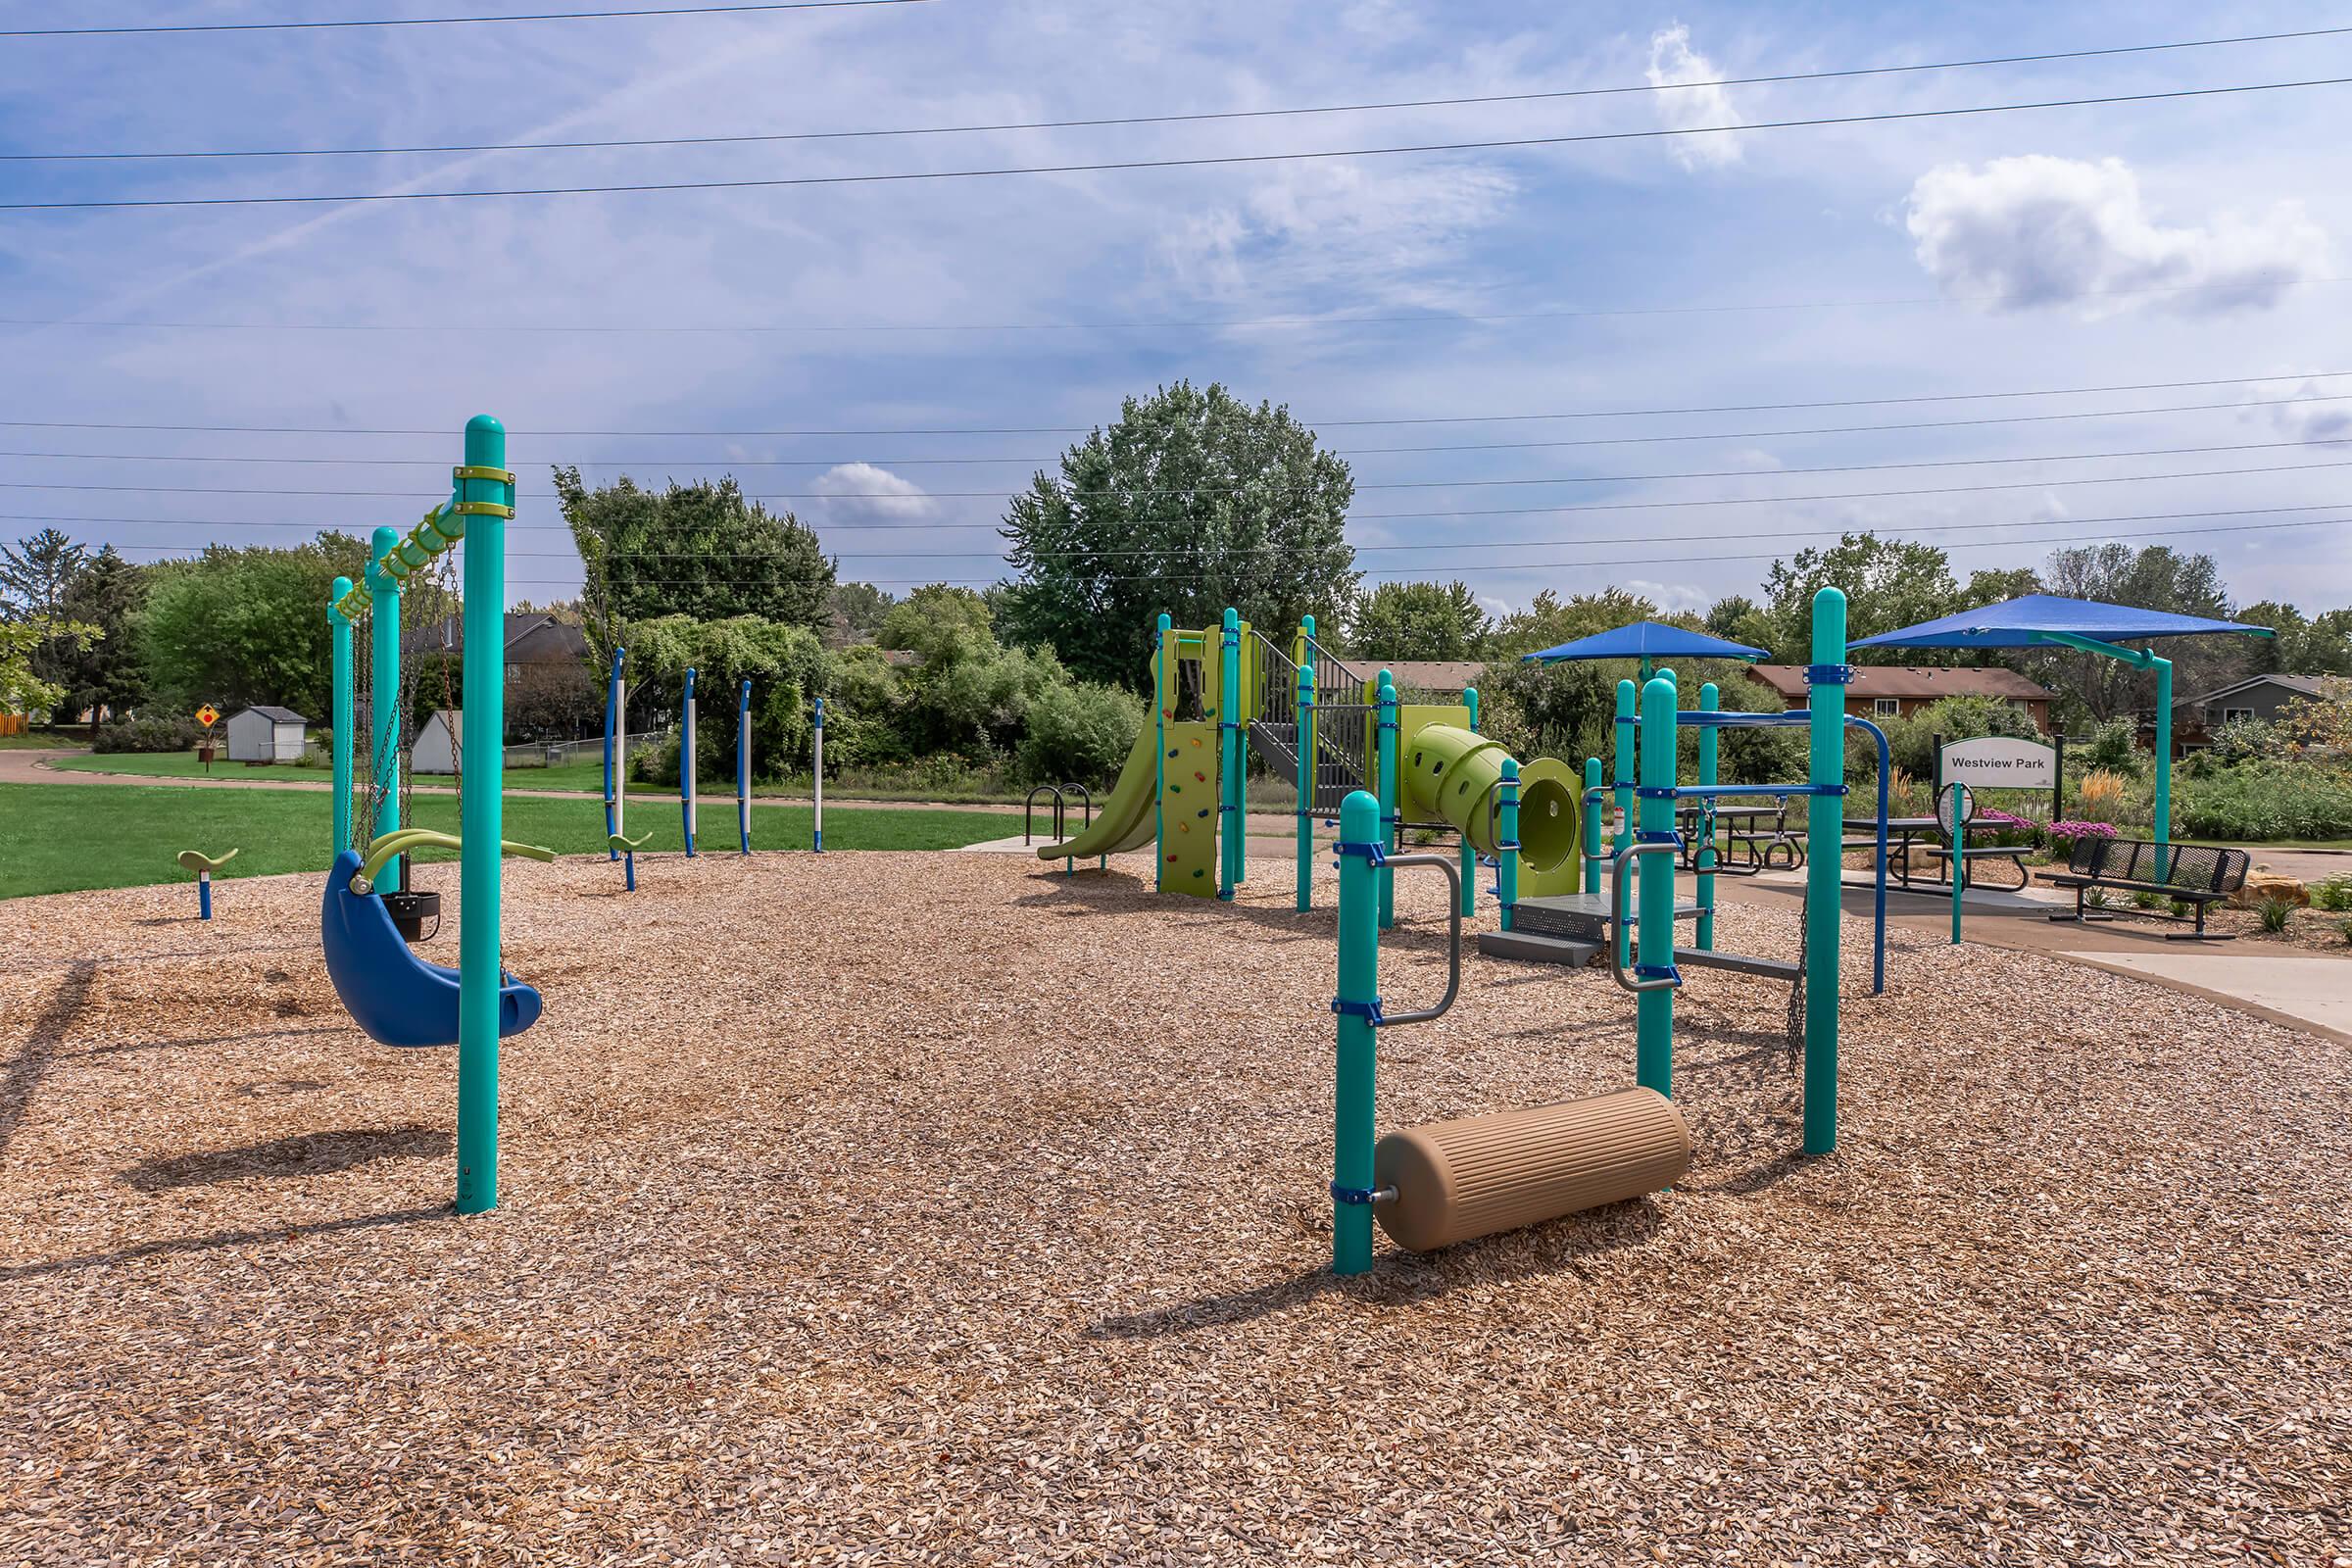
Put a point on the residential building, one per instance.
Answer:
(1898, 691)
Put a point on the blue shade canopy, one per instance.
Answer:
(1646, 639)
(2027, 623)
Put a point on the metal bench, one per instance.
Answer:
(2195, 874)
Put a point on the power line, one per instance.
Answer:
(461, 21)
(1212, 323)
(1193, 117)
(1203, 160)
(1329, 424)
(1251, 489)
(877, 460)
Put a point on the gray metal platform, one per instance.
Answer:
(1575, 916)
(1528, 948)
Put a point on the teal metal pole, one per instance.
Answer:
(1469, 850)
(1506, 848)
(1389, 812)
(1161, 701)
(1627, 696)
(1355, 1001)
(1590, 805)
(1303, 734)
(1653, 1010)
(1229, 755)
(1709, 701)
(487, 503)
(2164, 762)
(343, 707)
(1824, 828)
(1959, 865)
(383, 689)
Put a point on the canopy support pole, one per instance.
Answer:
(2140, 658)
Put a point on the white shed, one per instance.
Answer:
(437, 743)
(266, 735)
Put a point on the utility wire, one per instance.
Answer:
(464, 21)
(1044, 462)
(1271, 490)
(1205, 160)
(1196, 118)
(1328, 424)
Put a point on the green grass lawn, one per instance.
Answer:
(58, 838)
(586, 777)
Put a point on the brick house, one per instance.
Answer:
(1898, 691)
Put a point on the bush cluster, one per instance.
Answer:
(159, 733)
(2263, 801)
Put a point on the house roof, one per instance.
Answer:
(1416, 674)
(276, 715)
(566, 640)
(2301, 685)
(1912, 682)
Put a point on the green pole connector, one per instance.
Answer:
(482, 817)
(1506, 842)
(1229, 755)
(1591, 807)
(1653, 1010)
(342, 710)
(1389, 812)
(1824, 828)
(1470, 849)
(1303, 734)
(1355, 1001)
(383, 680)
(1709, 701)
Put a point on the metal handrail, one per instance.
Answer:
(1453, 941)
(1029, 806)
(1617, 864)
(1086, 798)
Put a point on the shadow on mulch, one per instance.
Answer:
(211, 1040)
(1408, 1279)
(309, 1154)
(206, 1243)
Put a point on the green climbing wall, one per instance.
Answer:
(1189, 812)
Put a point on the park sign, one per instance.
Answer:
(2001, 761)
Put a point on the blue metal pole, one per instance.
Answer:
(615, 753)
(816, 771)
(342, 711)
(742, 765)
(204, 895)
(1356, 1000)
(686, 765)
(486, 500)
(1390, 814)
(1470, 850)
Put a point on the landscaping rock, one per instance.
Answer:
(2264, 884)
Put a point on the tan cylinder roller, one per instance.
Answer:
(1456, 1180)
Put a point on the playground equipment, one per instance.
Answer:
(1220, 691)
(816, 780)
(1058, 795)
(204, 866)
(393, 995)
(1453, 1181)
(686, 801)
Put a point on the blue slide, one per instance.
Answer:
(396, 996)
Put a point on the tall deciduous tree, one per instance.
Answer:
(2146, 577)
(1887, 583)
(699, 550)
(106, 675)
(1418, 620)
(1193, 501)
(246, 625)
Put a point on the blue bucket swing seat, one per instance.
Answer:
(398, 998)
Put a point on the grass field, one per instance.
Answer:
(586, 777)
(58, 838)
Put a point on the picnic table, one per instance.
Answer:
(1905, 832)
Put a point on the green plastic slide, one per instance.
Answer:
(1126, 820)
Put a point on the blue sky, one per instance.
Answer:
(2202, 239)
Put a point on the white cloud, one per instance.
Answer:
(2036, 231)
(858, 491)
(2309, 421)
(1693, 100)
(1671, 595)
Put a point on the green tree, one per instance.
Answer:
(1549, 620)
(1995, 585)
(2318, 645)
(696, 550)
(1192, 501)
(1887, 583)
(35, 571)
(944, 624)
(241, 625)
(2145, 577)
(105, 674)
(857, 610)
(786, 669)
(20, 689)
(1418, 620)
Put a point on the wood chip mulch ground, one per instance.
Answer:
(937, 1208)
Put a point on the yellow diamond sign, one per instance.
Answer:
(208, 715)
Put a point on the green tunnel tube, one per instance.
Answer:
(1453, 775)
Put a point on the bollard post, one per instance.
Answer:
(1356, 1000)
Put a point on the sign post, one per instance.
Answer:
(1955, 806)
(208, 715)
